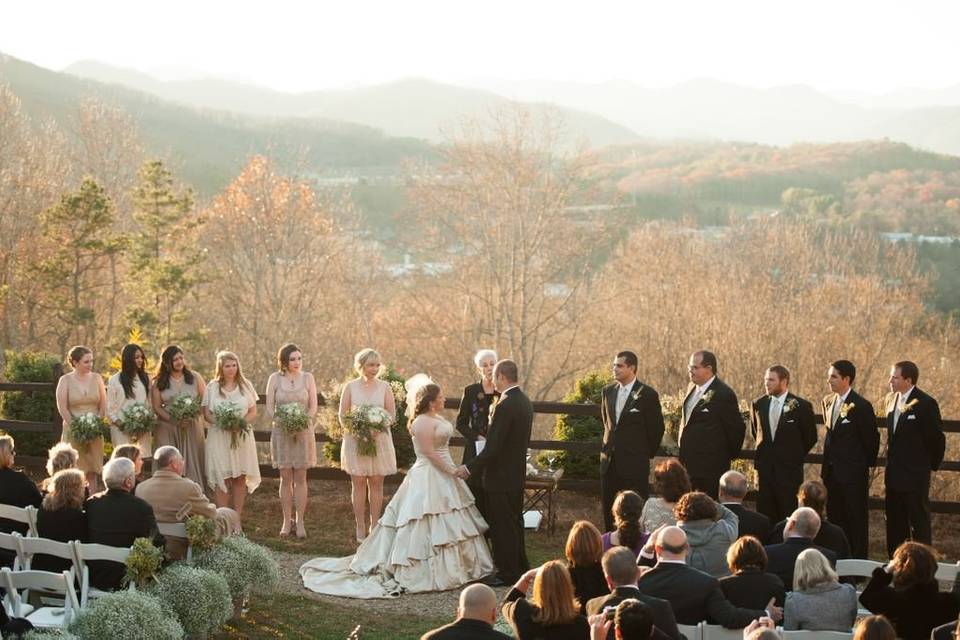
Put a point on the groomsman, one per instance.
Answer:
(632, 429)
(915, 447)
(711, 428)
(849, 450)
(783, 427)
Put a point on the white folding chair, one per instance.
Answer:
(23, 515)
(856, 568)
(60, 583)
(947, 572)
(85, 552)
(8, 542)
(816, 635)
(29, 547)
(691, 631)
(176, 530)
(718, 632)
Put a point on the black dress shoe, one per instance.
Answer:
(493, 580)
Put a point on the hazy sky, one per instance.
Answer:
(873, 46)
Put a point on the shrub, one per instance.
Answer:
(246, 566)
(126, 615)
(201, 532)
(587, 389)
(143, 562)
(35, 407)
(199, 598)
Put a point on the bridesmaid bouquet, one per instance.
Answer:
(291, 418)
(136, 419)
(364, 423)
(183, 409)
(229, 417)
(85, 429)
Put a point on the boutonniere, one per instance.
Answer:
(706, 398)
(790, 405)
(910, 405)
(636, 394)
(845, 409)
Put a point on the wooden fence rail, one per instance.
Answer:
(544, 407)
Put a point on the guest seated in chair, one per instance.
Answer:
(62, 517)
(818, 601)
(750, 586)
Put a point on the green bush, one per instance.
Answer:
(126, 615)
(199, 598)
(34, 407)
(587, 389)
(246, 566)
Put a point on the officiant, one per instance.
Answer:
(473, 419)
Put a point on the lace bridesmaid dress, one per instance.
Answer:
(299, 451)
(116, 402)
(222, 460)
(384, 463)
(189, 441)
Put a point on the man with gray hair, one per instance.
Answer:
(476, 614)
(733, 489)
(798, 534)
(116, 518)
(174, 498)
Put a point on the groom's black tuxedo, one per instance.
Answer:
(503, 465)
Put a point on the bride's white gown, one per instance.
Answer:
(430, 538)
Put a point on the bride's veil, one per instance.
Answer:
(412, 386)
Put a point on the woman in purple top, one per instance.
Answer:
(627, 507)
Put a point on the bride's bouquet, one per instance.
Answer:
(85, 428)
(183, 409)
(229, 417)
(364, 423)
(136, 420)
(292, 418)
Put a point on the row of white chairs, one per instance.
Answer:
(23, 515)
(704, 631)
(17, 584)
(853, 568)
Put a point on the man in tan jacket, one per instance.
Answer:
(175, 498)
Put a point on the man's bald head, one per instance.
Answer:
(733, 486)
(672, 543)
(803, 523)
(478, 602)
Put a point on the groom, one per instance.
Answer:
(503, 467)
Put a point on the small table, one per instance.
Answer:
(538, 495)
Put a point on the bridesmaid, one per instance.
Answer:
(473, 419)
(367, 472)
(127, 386)
(293, 455)
(174, 379)
(231, 473)
(78, 392)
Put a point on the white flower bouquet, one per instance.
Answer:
(363, 423)
(229, 417)
(292, 418)
(85, 428)
(183, 409)
(137, 420)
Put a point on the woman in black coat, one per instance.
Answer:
(584, 552)
(61, 517)
(913, 602)
(473, 419)
(552, 612)
(750, 586)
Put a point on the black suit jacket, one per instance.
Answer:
(473, 418)
(694, 596)
(636, 436)
(464, 629)
(503, 461)
(830, 537)
(116, 518)
(62, 525)
(781, 459)
(751, 523)
(851, 446)
(663, 618)
(915, 610)
(713, 436)
(916, 446)
(753, 589)
(781, 558)
(17, 490)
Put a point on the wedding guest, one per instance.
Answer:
(476, 614)
(628, 531)
(874, 628)
(670, 482)
(733, 489)
(132, 453)
(473, 418)
(367, 471)
(59, 457)
(231, 462)
(174, 380)
(798, 536)
(749, 585)
(584, 550)
(552, 612)
(949, 631)
(818, 601)
(710, 527)
(128, 386)
(61, 517)
(17, 490)
(293, 454)
(78, 393)
(813, 494)
(905, 591)
(116, 518)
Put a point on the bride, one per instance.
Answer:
(430, 537)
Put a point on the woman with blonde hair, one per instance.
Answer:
(584, 551)
(78, 393)
(233, 469)
(874, 628)
(818, 601)
(59, 457)
(367, 471)
(552, 612)
(62, 517)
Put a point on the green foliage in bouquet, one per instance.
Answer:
(201, 532)
(86, 428)
(587, 389)
(29, 366)
(126, 615)
(200, 599)
(230, 417)
(143, 562)
(246, 566)
(291, 418)
(136, 420)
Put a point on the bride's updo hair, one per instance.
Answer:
(425, 395)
